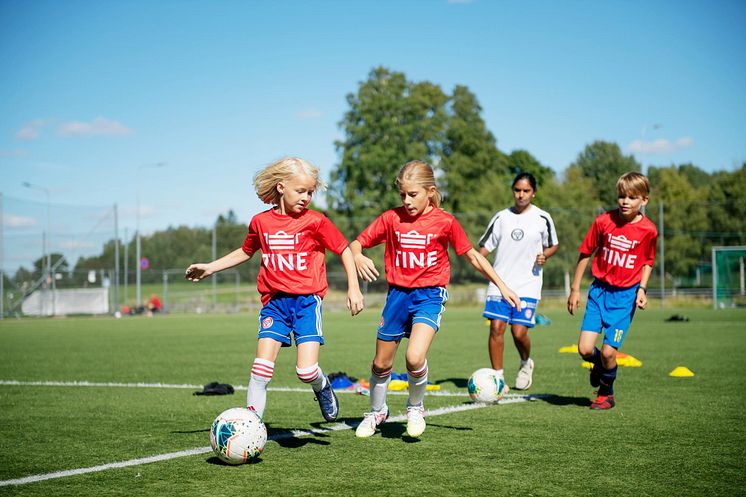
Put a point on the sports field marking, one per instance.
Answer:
(512, 399)
(84, 383)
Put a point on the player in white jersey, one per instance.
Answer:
(524, 237)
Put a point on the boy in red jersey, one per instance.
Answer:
(417, 236)
(292, 278)
(624, 242)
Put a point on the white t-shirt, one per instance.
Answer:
(518, 239)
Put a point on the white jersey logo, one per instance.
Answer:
(413, 240)
(284, 262)
(617, 254)
(412, 253)
(621, 243)
(281, 240)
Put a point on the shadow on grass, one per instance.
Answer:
(560, 400)
(217, 462)
(457, 382)
(202, 430)
(285, 437)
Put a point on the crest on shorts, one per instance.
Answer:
(517, 234)
(267, 322)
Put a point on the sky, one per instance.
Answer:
(169, 108)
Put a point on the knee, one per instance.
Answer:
(497, 329)
(381, 368)
(415, 362)
(608, 355)
(586, 351)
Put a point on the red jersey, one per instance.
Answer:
(623, 248)
(292, 251)
(416, 253)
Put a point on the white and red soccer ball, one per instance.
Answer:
(238, 435)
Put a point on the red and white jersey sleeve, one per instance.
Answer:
(622, 248)
(416, 253)
(293, 249)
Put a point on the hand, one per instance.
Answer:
(513, 299)
(197, 272)
(541, 259)
(573, 301)
(642, 299)
(355, 301)
(365, 268)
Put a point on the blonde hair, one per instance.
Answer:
(634, 183)
(266, 180)
(421, 173)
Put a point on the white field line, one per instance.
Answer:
(512, 399)
(442, 393)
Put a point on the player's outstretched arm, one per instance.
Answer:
(355, 300)
(573, 301)
(482, 265)
(201, 270)
(364, 266)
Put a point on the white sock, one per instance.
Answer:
(525, 363)
(500, 373)
(417, 385)
(313, 375)
(261, 374)
(379, 386)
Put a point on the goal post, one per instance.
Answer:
(728, 289)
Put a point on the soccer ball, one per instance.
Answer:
(238, 435)
(485, 386)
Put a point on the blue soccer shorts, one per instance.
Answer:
(609, 309)
(285, 314)
(498, 308)
(407, 306)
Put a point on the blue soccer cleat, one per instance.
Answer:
(328, 402)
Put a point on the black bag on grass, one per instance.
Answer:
(215, 388)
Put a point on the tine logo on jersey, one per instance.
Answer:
(621, 243)
(413, 240)
(281, 255)
(411, 251)
(617, 253)
(281, 240)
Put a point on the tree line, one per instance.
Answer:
(391, 120)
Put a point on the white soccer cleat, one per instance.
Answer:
(415, 421)
(525, 376)
(369, 424)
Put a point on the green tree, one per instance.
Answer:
(390, 121)
(684, 215)
(727, 195)
(603, 163)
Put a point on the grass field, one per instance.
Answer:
(667, 436)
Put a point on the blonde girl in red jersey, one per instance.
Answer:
(417, 236)
(292, 281)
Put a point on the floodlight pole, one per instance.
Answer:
(137, 232)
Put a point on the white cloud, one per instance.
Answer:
(32, 129)
(310, 114)
(13, 221)
(98, 127)
(660, 146)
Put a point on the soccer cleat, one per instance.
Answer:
(328, 402)
(603, 403)
(371, 420)
(525, 376)
(415, 421)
